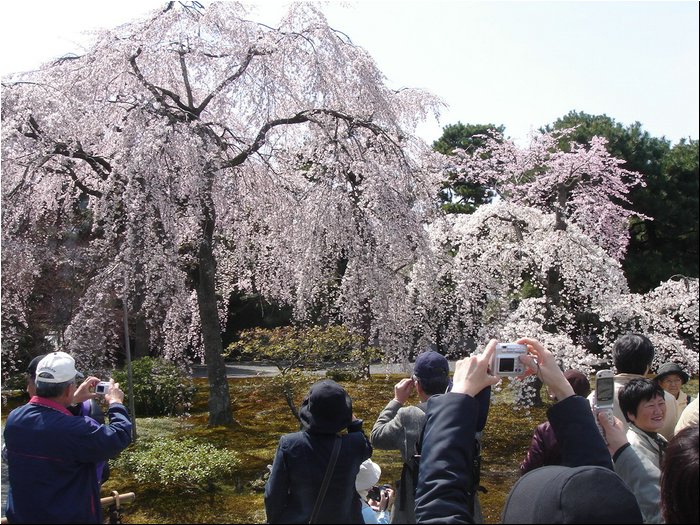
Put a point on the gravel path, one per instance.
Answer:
(253, 370)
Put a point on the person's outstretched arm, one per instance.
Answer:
(448, 444)
(580, 441)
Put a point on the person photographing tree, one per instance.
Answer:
(52, 455)
(583, 489)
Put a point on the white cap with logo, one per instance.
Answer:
(57, 367)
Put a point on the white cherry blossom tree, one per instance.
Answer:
(211, 153)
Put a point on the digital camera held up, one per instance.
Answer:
(375, 492)
(506, 360)
(102, 388)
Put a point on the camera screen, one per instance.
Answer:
(506, 364)
(605, 389)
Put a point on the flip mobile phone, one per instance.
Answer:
(604, 396)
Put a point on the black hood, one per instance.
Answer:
(559, 494)
(327, 408)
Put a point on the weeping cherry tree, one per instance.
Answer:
(209, 153)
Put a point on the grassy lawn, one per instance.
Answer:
(262, 419)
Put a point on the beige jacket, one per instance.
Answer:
(689, 416)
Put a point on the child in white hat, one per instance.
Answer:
(375, 507)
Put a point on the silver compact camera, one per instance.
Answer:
(506, 359)
(102, 388)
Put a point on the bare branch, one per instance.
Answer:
(185, 77)
(159, 92)
(299, 118)
(246, 61)
(78, 183)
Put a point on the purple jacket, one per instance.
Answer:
(544, 449)
(51, 459)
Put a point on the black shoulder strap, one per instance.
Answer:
(326, 479)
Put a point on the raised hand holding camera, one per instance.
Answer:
(506, 360)
(471, 373)
(542, 362)
(85, 390)
(114, 394)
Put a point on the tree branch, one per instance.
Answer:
(185, 77)
(159, 93)
(78, 183)
(99, 165)
(299, 118)
(246, 62)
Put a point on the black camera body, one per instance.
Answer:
(375, 492)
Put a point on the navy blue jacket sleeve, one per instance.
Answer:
(446, 459)
(103, 441)
(578, 436)
(483, 398)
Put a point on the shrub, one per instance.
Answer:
(179, 463)
(296, 351)
(160, 387)
(305, 348)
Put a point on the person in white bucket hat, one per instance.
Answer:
(376, 500)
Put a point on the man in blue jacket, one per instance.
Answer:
(51, 454)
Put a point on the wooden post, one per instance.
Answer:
(127, 350)
(118, 499)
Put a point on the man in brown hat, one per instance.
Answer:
(671, 377)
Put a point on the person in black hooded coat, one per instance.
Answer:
(302, 458)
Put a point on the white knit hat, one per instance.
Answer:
(368, 476)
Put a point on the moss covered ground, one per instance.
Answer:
(262, 419)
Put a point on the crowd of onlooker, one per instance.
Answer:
(636, 465)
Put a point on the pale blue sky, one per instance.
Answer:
(522, 64)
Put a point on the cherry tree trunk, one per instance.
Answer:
(205, 281)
